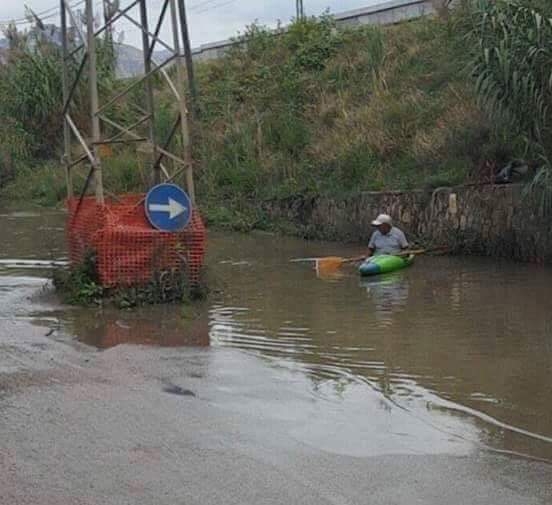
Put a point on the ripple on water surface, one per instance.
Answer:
(460, 345)
(449, 356)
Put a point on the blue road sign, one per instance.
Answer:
(168, 207)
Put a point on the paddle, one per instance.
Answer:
(334, 262)
(441, 249)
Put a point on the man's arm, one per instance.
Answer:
(402, 240)
(371, 246)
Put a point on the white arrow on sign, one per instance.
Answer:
(174, 208)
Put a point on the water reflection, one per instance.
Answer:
(388, 294)
(157, 326)
(472, 333)
(30, 235)
(448, 355)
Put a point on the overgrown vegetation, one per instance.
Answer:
(511, 62)
(31, 90)
(81, 286)
(318, 110)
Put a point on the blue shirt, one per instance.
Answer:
(392, 243)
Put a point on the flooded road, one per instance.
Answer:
(448, 360)
(462, 344)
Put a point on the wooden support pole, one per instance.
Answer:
(135, 83)
(74, 163)
(189, 60)
(156, 175)
(184, 113)
(68, 97)
(158, 40)
(110, 23)
(94, 99)
(158, 27)
(78, 135)
(120, 134)
(65, 85)
(76, 25)
(169, 139)
(122, 141)
(135, 136)
(300, 9)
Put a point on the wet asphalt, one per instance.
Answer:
(87, 416)
(142, 425)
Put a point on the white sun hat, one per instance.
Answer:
(383, 219)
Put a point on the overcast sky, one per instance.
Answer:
(210, 20)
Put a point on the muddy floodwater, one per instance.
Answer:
(452, 356)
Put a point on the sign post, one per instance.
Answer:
(168, 208)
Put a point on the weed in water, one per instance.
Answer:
(80, 285)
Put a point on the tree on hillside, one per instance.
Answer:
(31, 99)
(14, 37)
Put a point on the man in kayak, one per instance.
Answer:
(387, 239)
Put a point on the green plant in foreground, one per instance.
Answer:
(30, 93)
(80, 285)
(42, 184)
(512, 67)
(539, 190)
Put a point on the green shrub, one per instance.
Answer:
(41, 184)
(315, 109)
(30, 93)
(319, 109)
(511, 64)
(123, 172)
(80, 285)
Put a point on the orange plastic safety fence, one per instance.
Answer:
(128, 250)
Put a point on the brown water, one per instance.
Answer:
(450, 356)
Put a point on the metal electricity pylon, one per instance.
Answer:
(300, 9)
(80, 35)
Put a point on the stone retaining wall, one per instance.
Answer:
(488, 220)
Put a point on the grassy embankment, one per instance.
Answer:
(310, 112)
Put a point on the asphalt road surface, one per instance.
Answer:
(143, 425)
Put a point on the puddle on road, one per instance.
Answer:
(463, 346)
(168, 326)
(446, 356)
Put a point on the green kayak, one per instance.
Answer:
(384, 264)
